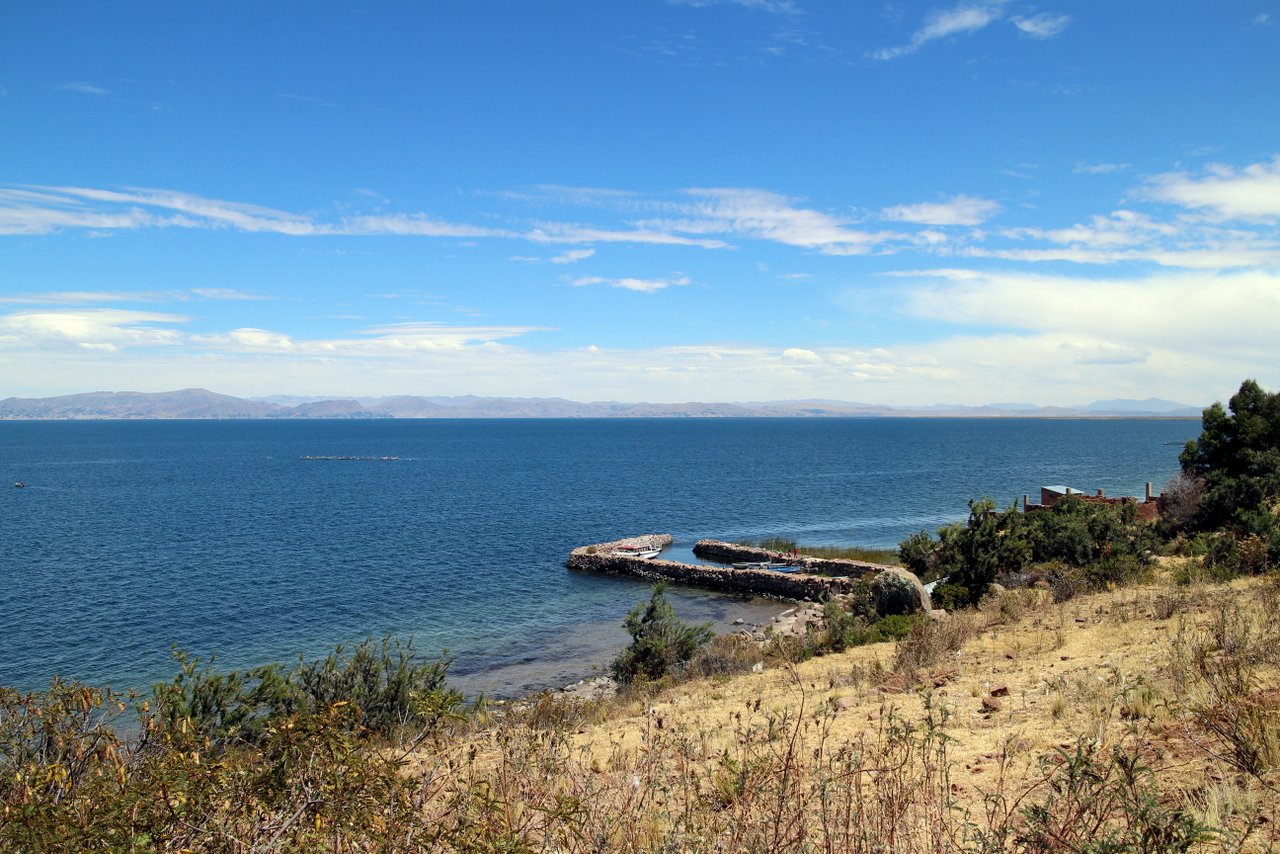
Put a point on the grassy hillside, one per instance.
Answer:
(1145, 718)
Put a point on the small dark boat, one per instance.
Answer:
(20, 484)
(767, 564)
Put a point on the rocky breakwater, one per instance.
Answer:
(794, 586)
(736, 553)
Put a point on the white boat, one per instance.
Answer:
(642, 552)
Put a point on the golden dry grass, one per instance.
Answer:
(845, 752)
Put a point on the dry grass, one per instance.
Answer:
(1144, 719)
(1145, 711)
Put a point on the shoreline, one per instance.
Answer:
(582, 652)
(789, 621)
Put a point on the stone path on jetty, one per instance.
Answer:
(838, 576)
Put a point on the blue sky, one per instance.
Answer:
(900, 203)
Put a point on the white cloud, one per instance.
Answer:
(763, 215)
(40, 210)
(1207, 309)
(942, 23)
(573, 256)
(83, 88)
(647, 286)
(408, 225)
(1100, 168)
(971, 17)
(959, 210)
(1042, 26)
(82, 297)
(569, 233)
(799, 354)
(229, 294)
(86, 329)
(1249, 193)
(1065, 353)
(1189, 241)
(707, 218)
(1120, 228)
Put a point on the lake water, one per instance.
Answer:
(220, 538)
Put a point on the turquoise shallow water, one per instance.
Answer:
(218, 537)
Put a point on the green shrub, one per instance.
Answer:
(951, 596)
(1099, 801)
(660, 642)
(382, 682)
(1092, 546)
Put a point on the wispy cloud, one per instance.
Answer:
(780, 7)
(306, 99)
(230, 294)
(40, 210)
(155, 297)
(1185, 241)
(118, 330)
(414, 225)
(569, 256)
(763, 215)
(1042, 26)
(960, 20)
(89, 297)
(572, 256)
(968, 18)
(1083, 168)
(1249, 193)
(559, 232)
(958, 210)
(645, 286)
(82, 88)
(393, 341)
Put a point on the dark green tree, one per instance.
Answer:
(660, 641)
(1237, 463)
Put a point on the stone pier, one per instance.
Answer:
(735, 553)
(800, 586)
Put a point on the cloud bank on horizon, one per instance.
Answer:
(675, 200)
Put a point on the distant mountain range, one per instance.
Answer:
(200, 403)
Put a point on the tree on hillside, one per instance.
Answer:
(1237, 462)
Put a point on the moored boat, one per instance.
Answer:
(633, 550)
(775, 566)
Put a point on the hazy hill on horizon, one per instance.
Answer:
(196, 403)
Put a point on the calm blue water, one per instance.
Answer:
(131, 537)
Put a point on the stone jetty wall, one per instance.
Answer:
(735, 553)
(757, 582)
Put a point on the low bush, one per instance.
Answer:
(385, 685)
(660, 641)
